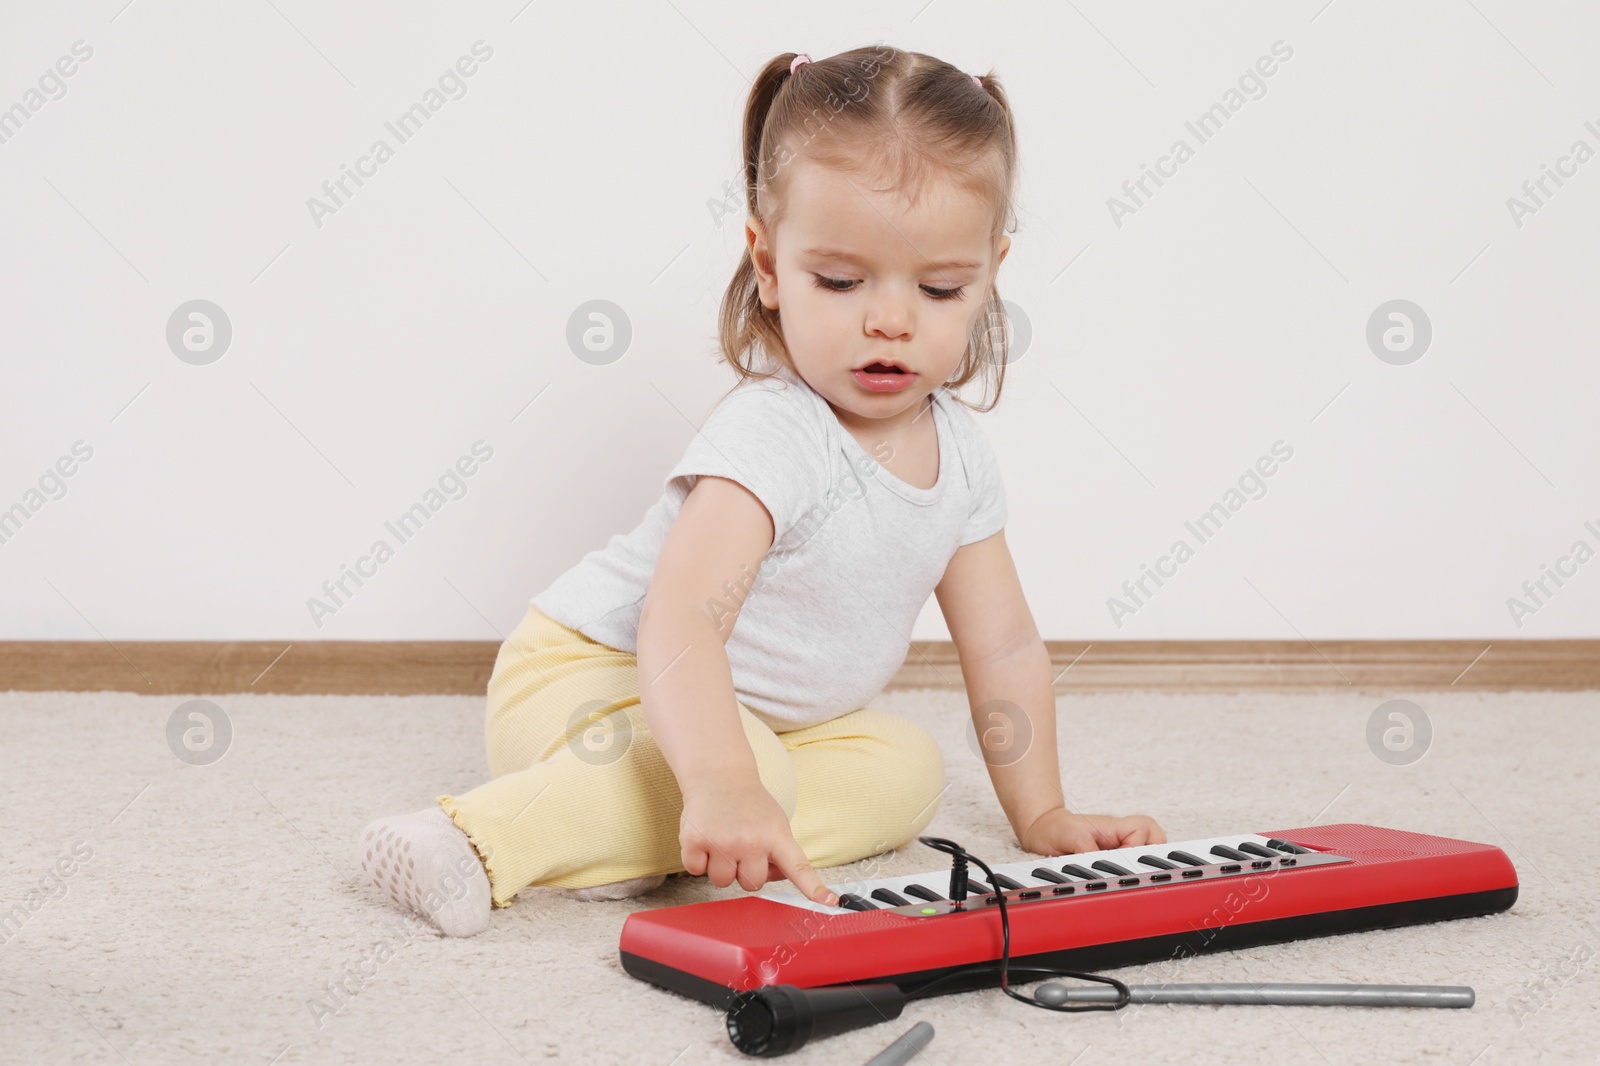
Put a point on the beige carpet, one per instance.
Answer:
(209, 909)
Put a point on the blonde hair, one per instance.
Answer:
(904, 116)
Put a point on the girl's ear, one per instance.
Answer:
(755, 235)
(1003, 246)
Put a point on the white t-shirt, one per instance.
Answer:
(827, 619)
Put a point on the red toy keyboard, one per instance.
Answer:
(1088, 911)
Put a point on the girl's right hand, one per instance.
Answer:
(729, 832)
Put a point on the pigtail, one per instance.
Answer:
(997, 93)
(745, 323)
(763, 92)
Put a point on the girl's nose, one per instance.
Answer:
(890, 316)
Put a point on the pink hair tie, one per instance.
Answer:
(798, 60)
(977, 81)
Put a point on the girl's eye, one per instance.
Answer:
(828, 284)
(833, 284)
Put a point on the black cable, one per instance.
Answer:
(958, 893)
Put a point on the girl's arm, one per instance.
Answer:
(731, 825)
(1004, 660)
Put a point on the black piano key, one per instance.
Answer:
(975, 885)
(855, 902)
(1187, 859)
(1284, 845)
(1228, 853)
(1044, 873)
(1160, 864)
(923, 893)
(1253, 848)
(1110, 867)
(1007, 883)
(891, 898)
(1078, 871)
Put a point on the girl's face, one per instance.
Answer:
(861, 278)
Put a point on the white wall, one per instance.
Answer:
(1168, 353)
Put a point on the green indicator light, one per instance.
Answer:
(930, 910)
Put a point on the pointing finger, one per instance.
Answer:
(798, 869)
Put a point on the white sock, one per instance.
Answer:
(425, 863)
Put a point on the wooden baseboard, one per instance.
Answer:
(462, 667)
(1290, 666)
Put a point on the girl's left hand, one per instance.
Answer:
(1060, 832)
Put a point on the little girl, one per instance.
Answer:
(693, 696)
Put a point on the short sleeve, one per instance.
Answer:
(988, 513)
(763, 439)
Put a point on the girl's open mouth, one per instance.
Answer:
(883, 377)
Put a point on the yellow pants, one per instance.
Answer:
(581, 795)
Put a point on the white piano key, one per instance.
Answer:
(938, 878)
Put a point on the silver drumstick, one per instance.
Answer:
(1295, 995)
(898, 1053)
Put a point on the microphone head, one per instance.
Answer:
(754, 1018)
(778, 1019)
